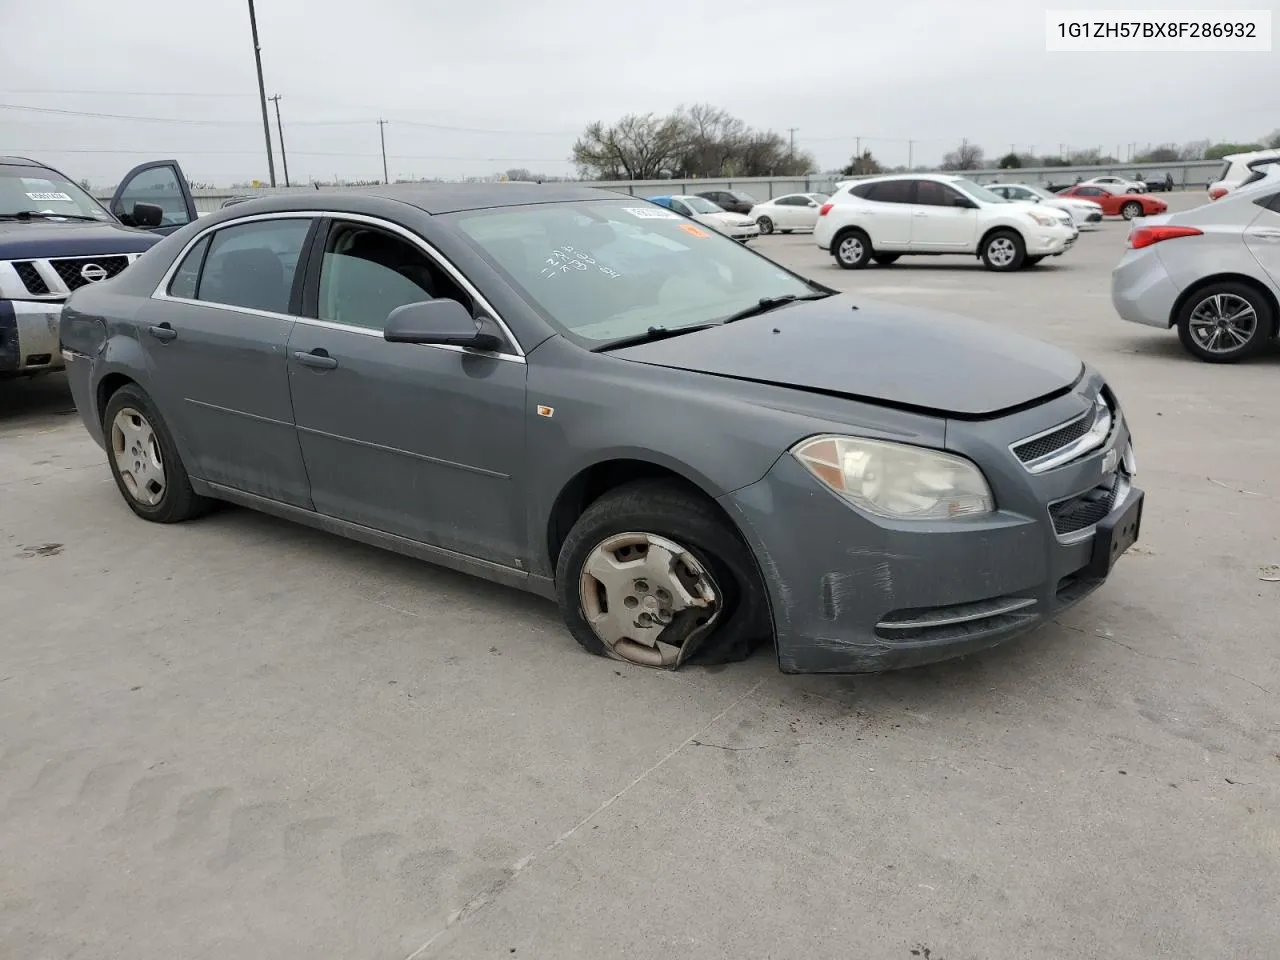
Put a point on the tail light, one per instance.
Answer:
(1146, 236)
(826, 208)
(1217, 193)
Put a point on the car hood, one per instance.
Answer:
(904, 357)
(39, 239)
(725, 219)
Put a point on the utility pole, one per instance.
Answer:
(382, 135)
(910, 150)
(284, 159)
(791, 154)
(857, 151)
(262, 93)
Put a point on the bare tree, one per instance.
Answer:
(862, 165)
(637, 147)
(967, 156)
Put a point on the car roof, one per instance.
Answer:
(21, 162)
(1252, 155)
(938, 177)
(438, 198)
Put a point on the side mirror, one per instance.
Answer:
(144, 215)
(445, 322)
(964, 203)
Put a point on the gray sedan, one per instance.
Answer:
(688, 447)
(1212, 272)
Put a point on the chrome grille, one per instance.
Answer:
(1071, 440)
(31, 278)
(71, 270)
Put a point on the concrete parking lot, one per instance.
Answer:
(237, 738)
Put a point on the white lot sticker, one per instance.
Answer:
(48, 196)
(651, 213)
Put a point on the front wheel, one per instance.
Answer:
(852, 249)
(765, 225)
(652, 574)
(1003, 251)
(1131, 209)
(144, 460)
(1225, 323)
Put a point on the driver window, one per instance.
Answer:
(367, 273)
(930, 193)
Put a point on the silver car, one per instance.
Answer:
(1213, 272)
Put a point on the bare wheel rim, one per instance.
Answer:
(766, 225)
(647, 598)
(1001, 251)
(136, 451)
(1223, 323)
(850, 250)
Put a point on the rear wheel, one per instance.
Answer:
(1131, 209)
(765, 225)
(653, 575)
(852, 249)
(1225, 323)
(884, 259)
(144, 460)
(1003, 251)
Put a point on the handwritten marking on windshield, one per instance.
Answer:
(566, 258)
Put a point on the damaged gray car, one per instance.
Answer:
(688, 447)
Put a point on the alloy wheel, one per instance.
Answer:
(1223, 323)
(136, 451)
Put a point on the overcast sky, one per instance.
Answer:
(476, 87)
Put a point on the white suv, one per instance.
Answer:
(882, 218)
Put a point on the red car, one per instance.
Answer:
(1127, 205)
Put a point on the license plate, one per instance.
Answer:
(1114, 535)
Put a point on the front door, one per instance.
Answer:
(942, 220)
(425, 442)
(215, 340)
(162, 184)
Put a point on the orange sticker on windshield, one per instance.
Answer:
(693, 231)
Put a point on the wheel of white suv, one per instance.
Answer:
(1225, 323)
(1003, 250)
(852, 249)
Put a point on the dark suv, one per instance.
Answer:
(734, 201)
(55, 238)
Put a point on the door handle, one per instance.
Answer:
(920, 213)
(1266, 233)
(163, 332)
(317, 359)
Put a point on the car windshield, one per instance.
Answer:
(977, 192)
(744, 197)
(606, 270)
(1040, 192)
(702, 205)
(38, 190)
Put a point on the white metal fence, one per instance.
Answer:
(1188, 174)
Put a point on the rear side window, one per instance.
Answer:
(252, 265)
(891, 191)
(187, 276)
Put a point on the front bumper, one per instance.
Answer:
(1051, 241)
(743, 233)
(29, 336)
(1141, 289)
(854, 594)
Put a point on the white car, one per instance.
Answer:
(717, 218)
(1213, 273)
(1239, 168)
(795, 211)
(1080, 210)
(1118, 184)
(883, 218)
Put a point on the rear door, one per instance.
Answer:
(885, 213)
(1263, 238)
(215, 334)
(161, 183)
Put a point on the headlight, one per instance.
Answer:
(895, 480)
(1041, 219)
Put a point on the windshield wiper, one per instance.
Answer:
(765, 304)
(42, 214)
(650, 335)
